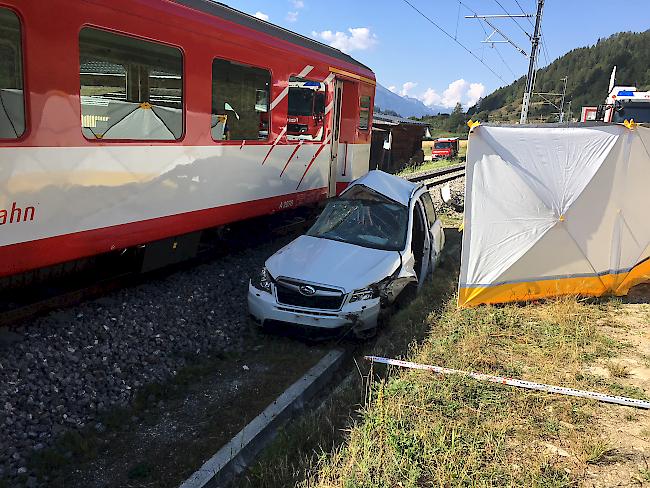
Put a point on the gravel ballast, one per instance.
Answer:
(62, 370)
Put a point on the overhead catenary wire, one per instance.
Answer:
(496, 48)
(547, 58)
(513, 19)
(455, 40)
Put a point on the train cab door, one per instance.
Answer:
(336, 132)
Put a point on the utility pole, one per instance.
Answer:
(563, 97)
(560, 109)
(531, 65)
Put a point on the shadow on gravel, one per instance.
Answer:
(172, 428)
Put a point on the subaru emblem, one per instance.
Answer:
(307, 290)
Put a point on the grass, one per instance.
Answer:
(387, 427)
(429, 166)
(435, 164)
(618, 370)
(417, 429)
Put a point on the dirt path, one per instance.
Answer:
(627, 459)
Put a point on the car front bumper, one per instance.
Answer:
(361, 316)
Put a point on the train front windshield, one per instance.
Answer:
(301, 101)
(639, 112)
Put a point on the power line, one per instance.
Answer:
(486, 34)
(546, 56)
(496, 48)
(455, 40)
(523, 12)
(543, 42)
(513, 19)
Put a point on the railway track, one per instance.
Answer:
(439, 176)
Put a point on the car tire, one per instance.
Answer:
(407, 295)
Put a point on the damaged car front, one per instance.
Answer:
(353, 262)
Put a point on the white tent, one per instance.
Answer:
(555, 210)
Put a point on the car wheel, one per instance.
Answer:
(407, 295)
(364, 335)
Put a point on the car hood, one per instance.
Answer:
(332, 263)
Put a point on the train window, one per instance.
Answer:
(240, 102)
(306, 113)
(364, 112)
(12, 103)
(130, 88)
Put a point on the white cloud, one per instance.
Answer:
(430, 97)
(392, 88)
(358, 39)
(298, 4)
(459, 91)
(261, 15)
(406, 88)
(292, 16)
(475, 92)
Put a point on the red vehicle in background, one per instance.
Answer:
(445, 148)
(306, 113)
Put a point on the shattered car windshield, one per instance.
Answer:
(377, 224)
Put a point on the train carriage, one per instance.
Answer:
(126, 122)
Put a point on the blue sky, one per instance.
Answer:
(410, 56)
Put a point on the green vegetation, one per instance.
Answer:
(418, 429)
(437, 163)
(448, 125)
(588, 70)
(429, 166)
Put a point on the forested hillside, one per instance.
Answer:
(588, 70)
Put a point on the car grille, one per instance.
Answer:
(324, 298)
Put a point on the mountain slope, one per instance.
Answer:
(405, 106)
(588, 70)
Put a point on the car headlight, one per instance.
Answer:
(265, 280)
(364, 294)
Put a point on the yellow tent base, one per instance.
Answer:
(615, 284)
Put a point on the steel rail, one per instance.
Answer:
(417, 177)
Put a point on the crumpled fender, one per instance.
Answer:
(391, 286)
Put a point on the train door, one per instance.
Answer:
(336, 133)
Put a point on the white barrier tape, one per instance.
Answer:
(601, 397)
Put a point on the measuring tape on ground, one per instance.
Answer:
(530, 385)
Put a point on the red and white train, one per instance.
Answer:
(124, 122)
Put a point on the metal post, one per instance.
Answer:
(531, 64)
(562, 102)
